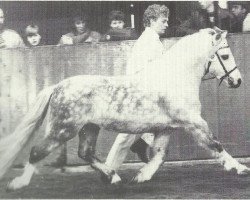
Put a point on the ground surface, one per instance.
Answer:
(171, 181)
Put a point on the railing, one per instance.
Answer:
(24, 72)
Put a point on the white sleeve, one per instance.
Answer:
(246, 24)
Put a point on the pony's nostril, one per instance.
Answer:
(239, 81)
(232, 84)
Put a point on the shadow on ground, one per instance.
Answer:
(199, 181)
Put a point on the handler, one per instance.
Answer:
(146, 49)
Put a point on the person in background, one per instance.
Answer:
(117, 31)
(239, 9)
(8, 38)
(146, 49)
(80, 33)
(202, 14)
(32, 36)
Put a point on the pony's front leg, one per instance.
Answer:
(159, 150)
(230, 163)
(205, 139)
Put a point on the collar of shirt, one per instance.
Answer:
(152, 33)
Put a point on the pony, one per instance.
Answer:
(161, 99)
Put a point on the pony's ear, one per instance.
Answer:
(211, 32)
(224, 34)
(217, 29)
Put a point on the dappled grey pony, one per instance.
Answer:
(161, 99)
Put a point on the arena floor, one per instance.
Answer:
(187, 181)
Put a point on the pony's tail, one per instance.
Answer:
(12, 144)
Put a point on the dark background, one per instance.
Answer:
(54, 17)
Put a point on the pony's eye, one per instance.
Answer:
(225, 57)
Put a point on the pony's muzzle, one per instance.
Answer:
(234, 83)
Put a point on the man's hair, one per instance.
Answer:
(154, 12)
(31, 29)
(83, 18)
(116, 15)
(243, 4)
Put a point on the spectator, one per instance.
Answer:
(196, 19)
(8, 38)
(223, 16)
(147, 48)
(80, 33)
(201, 15)
(239, 10)
(32, 36)
(117, 31)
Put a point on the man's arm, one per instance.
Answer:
(80, 38)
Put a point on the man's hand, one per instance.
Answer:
(67, 40)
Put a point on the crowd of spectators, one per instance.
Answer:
(202, 14)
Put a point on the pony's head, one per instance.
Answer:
(221, 63)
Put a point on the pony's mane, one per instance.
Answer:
(194, 43)
(189, 52)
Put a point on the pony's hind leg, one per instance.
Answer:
(87, 143)
(205, 139)
(159, 147)
(37, 153)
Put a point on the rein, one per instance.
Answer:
(227, 73)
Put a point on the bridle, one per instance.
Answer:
(227, 73)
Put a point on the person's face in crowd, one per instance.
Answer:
(80, 26)
(1, 19)
(238, 10)
(205, 4)
(160, 25)
(117, 24)
(34, 39)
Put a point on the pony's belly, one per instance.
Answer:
(134, 126)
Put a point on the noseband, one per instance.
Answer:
(227, 73)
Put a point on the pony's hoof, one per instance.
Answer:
(116, 180)
(139, 178)
(105, 179)
(15, 184)
(244, 172)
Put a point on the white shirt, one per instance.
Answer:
(147, 48)
(246, 23)
(11, 39)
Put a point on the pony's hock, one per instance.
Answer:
(130, 104)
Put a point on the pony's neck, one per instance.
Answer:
(182, 65)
